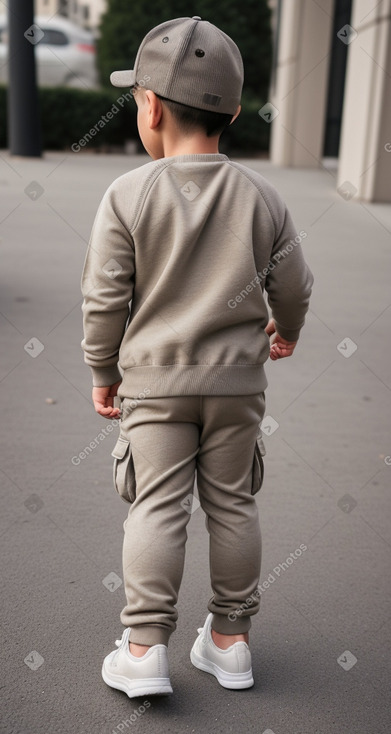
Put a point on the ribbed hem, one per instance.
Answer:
(169, 380)
(291, 335)
(221, 623)
(148, 634)
(105, 376)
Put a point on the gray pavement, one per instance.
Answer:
(320, 643)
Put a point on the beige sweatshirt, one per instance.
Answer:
(181, 254)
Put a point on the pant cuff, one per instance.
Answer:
(226, 626)
(148, 634)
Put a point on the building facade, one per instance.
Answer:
(330, 92)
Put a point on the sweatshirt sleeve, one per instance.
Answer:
(289, 280)
(107, 288)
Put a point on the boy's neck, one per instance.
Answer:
(194, 145)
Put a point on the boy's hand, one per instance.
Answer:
(279, 347)
(103, 398)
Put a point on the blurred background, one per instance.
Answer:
(83, 41)
(296, 74)
(305, 71)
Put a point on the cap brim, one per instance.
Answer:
(125, 78)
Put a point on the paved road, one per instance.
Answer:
(320, 643)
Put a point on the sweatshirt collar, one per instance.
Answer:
(197, 157)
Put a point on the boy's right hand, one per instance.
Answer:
(279, 347)
(103, 399)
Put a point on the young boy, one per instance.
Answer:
(192, 240)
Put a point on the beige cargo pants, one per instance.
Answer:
(162, 443)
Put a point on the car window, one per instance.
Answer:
(54, 38)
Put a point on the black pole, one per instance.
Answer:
(24, 134)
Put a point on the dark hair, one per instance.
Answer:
(190, 119)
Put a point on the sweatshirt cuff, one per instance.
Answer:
(291, 335)
(105, 376)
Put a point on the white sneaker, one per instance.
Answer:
(232, 667)
(134, 676)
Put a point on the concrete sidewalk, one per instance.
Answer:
(320, 644)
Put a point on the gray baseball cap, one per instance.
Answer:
(191, 61)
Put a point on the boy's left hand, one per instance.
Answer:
(279, 347)
(103, 399)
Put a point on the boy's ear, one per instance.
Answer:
(237, 113)
(155, 109)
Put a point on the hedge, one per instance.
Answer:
(104, 119)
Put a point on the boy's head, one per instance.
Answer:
(187, 81)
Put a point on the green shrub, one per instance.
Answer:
(68, 115)
(249, 133)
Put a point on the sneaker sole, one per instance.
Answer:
(235, 681)
(141, 687)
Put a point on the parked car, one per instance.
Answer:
(65, 55)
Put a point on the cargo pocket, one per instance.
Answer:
(123, 470)
(258, 468)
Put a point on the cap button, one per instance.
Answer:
(196, 17)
